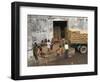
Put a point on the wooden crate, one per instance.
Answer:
(77, 37)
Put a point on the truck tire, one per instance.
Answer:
(83, 49)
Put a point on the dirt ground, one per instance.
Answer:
(53, 59)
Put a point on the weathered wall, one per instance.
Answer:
(39, 28)
(78, 23)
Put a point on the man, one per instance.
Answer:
(66, 49)
(63, 41)
(60, 51)
(48, 45)
(35, 49)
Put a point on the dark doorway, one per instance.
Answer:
(59, 29)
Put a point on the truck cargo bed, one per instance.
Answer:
(77, 37)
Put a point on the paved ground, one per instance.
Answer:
(52, 59)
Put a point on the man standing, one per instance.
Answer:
(35, 49)
(48, 45)
(66, 49)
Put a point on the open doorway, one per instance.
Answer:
(59, 29)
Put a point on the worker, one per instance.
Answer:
(60, 51)
(66, 49)
(48, 45)
(35, 49)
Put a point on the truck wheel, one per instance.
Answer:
(83, 49)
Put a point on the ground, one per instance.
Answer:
(53, 59)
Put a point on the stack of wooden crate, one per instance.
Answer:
(74, 36)
(77, 37)
(83, 37)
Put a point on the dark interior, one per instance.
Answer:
(61, 25)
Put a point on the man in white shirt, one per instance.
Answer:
(66, 49)
(48, 45)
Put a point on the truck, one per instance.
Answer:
(78, 40)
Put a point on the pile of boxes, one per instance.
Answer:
(83, 37)
(77, 37)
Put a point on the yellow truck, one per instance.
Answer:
(78, 40)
